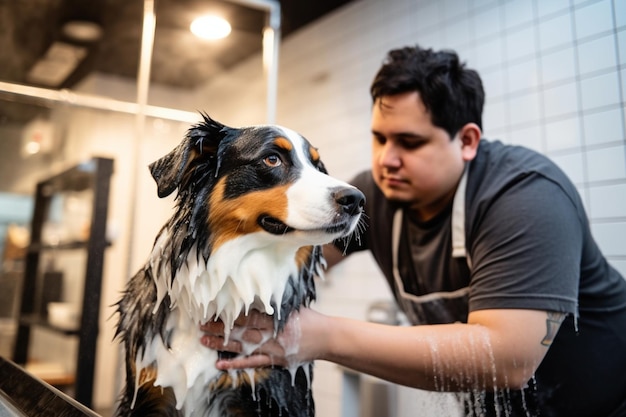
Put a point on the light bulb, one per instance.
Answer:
(210, 27)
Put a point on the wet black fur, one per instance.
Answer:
(210, 151)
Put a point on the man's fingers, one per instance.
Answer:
(253, 361)
(217, 343)
(213, 327)
(255, 319)
(254, 336)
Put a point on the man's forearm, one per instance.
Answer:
(451, 357)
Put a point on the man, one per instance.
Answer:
(488, 244)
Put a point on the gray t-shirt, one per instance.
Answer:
(529, 242)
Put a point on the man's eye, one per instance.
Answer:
(409, 144)
(379, 139)
(272, 161)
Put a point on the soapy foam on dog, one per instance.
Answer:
(235, 278)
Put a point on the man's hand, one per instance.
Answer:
(254, 337)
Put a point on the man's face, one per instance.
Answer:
(413, 161)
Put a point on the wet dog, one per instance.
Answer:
(253, 206)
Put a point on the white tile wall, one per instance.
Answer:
(428, 14)
(520, 43)
(496, 115)
(606, 164)
(487, 23)
(572, 165)
(619, 12)
(517, 13)
(478, 4)
(488, 53)
(458, 32)
(552, 71)
(597, 54)
(528, 136)
(592, 19)
(621, 41)
(563, 134)
(545, 8)
(608, 201)
(560, 101)
(558, 66)
(600, 91)
(455, 8)
(555, 31)
(603, 127)
(524, 108)
(523, 75)
(610, 238)
(496, 82)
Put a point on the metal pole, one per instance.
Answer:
(143, 86)
(271, 40)
(94, 102)
(271, 46)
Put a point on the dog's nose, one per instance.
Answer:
(351, 200)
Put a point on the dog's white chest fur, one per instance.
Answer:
(239, 274)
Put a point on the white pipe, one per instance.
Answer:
(270, 68)
(95, 102)
(271, 45)
(143, 86)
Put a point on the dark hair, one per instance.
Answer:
(453, 94)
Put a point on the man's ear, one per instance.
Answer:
(469, 136)
(200, 143)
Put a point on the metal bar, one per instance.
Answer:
(271, 40)
(143, 86)
(271, 45)
(90, 322)
(71, 98)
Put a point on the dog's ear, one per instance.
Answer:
(200, 143)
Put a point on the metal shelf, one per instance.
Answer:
(93, 175)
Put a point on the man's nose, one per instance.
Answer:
(389, 155)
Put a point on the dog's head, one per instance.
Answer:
(260, 179)
(253, 204)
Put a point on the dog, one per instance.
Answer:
(253, 207)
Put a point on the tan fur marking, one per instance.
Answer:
(231, 218)
(303, 255)
(225, 379)
(147, 375)
(315, 155)
(283, 143)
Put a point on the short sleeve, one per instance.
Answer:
(526, 248)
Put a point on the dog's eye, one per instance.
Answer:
(273, 161)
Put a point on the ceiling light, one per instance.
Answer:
(82, 31)
(210, 27)
(59, 62)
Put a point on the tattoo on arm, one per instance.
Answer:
(553, 322)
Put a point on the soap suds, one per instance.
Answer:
(241, 274)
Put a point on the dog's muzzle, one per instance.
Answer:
(349, 202)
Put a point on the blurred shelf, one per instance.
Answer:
(69, 245)
(52, 373)
(93, 176)
(36, 320)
